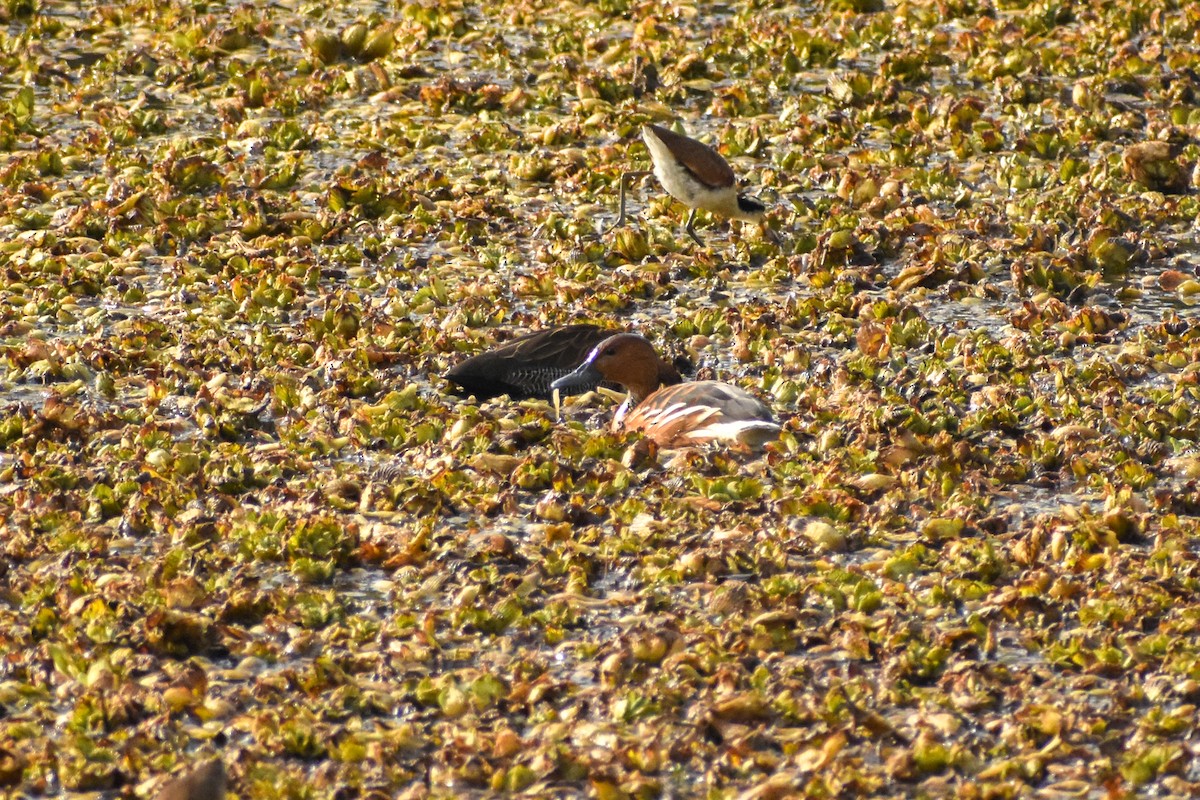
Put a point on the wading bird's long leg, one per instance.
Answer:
(772, 235)
(692, 231)
(625, 176)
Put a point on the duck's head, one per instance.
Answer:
(627, 359)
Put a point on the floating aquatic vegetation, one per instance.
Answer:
(240, 244)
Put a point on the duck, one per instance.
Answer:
(672, 413)
(695, 175)
(206, 781)
(527, 366)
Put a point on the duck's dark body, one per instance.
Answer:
(526, 367)
(205, 782)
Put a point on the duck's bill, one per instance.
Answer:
(582, 379)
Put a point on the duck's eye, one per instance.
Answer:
(612, 351)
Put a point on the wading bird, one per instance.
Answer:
(695, 175)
